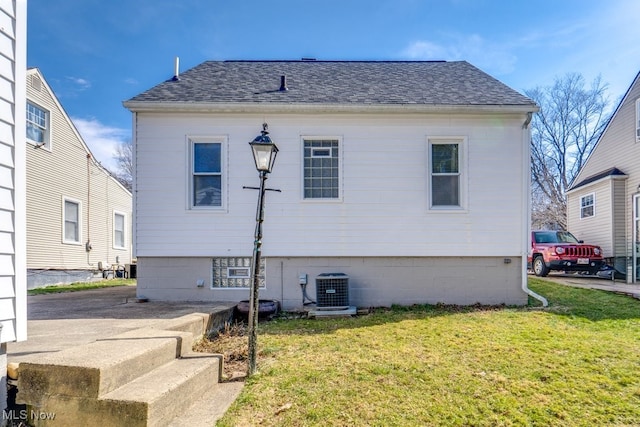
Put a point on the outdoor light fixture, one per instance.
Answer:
(264, 154)
(264, 151)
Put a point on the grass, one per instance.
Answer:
(81, 286)
(574, 363)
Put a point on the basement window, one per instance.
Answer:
(234, 273)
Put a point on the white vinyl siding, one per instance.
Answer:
(206, 180)
(13, 182)
(71, 221)
(638, 120)
(587, 206)
(38, 125)
(384, 188)
(119, 230)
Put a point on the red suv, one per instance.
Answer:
(560, 250)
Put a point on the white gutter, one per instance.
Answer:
(526, 159)
(262, 107)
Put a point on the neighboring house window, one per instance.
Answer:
(37, 125)
(118, 230)
(445, 169)
(587, 205)
(71, 221)
(638, 120)
(206, 173)
(235, 272)
(321, 168)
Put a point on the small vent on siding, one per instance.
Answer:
(36, 83)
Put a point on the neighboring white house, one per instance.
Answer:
(78, 215)
(603, 203)
(13, 287)
(412, 178)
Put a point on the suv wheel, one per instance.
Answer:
(539, 267)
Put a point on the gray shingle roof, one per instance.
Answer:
(434, 83)
(609, 172)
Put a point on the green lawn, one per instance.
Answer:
(575, 363)
(81, 286)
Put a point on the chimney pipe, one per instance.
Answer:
(176, 69)
(283, 84)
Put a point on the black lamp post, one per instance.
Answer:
(264, 154)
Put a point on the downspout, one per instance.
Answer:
(526, 144)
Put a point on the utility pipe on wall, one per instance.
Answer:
(526, 146)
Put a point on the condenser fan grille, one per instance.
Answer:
(332, 290)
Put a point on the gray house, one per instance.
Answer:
(603, 203)
(409, 178)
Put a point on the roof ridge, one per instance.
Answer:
(306, 60)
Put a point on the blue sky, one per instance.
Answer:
(97, 53)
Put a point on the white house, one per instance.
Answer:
(603, 203)
(79, 216)
(411, 178)
(13, 287)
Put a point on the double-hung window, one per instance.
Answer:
(321, 168)
(71, 226)
(37, 125)
(445, 170)
(118, 230)
(206, 173)
(587, 206)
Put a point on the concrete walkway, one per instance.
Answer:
(58, 321)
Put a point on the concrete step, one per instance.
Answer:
(163, 394)
(144, 377)
(210, 407)
(152, 400)
(96, 368)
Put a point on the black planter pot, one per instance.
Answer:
(267, 308)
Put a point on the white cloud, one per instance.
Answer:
(79, 82)
(102, 140)
(494, 58)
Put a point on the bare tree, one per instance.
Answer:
(124, 160)
(563, 134)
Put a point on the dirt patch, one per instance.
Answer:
(232, 344)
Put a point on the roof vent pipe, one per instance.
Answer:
(283, 84)
(176, 69)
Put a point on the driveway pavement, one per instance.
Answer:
(58, 321)
(591, 282)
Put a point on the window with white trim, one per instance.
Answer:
(587, 206)
(119, 221)
(321, 168)
(206, 173)
(445, 173)
(37, 125)
(638, 120)
(71, 225)
(235, 272)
